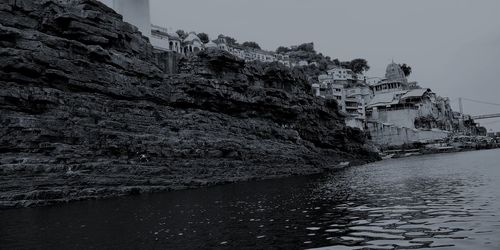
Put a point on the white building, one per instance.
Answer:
(341, 74)
(349, 90)
(162, 39)
(373, 80)
(159, 38)
(192, 44)
(414, 109)
(387, 86)
(250, 54)
(175, 43)
(360, 95)
(342, 79)
(302, 63)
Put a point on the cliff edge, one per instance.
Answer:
(86, 111)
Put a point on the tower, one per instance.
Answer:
(395, 73)
(135, 12)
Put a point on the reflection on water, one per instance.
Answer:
(450, 201)
(411, 208)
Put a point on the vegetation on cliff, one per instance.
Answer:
(320, 63)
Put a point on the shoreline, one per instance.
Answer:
(403, 153)
(321, 171)
(145, 190)
(90, 114)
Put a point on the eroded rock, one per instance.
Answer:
(87, 112)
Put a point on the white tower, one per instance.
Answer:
(135, 12)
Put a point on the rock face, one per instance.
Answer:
(86, 111)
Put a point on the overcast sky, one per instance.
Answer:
(453, 46)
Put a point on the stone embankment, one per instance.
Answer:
(86, 111)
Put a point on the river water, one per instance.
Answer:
(451, 201)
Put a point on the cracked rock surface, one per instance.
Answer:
(87, 112)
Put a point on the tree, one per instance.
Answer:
(204, 37)
(307, 47)
(346, 64)
(406, 69)
(230, 40)
(252, 45)
(182, 34)
(282, 50)
(359, 65)
(324, 63)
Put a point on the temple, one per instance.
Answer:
(392, 109)
(376, 105)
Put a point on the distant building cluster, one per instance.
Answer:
(350, 90)
(136, 12)
(192, 44)
(370, 103)
(390, 101)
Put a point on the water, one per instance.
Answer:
(451, 201)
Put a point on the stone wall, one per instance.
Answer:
(389, 135)
(167, 61)
(401, 118)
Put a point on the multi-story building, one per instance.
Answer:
(341, 74)
(392, 100)
(349, 90)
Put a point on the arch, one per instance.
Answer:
(171, 45)
(196, 49)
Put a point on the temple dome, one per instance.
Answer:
(211, 44)
(395, 73)
(174, 35)
(192, 37)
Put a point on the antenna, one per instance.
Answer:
(461, 107)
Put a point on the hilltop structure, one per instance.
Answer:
(137, 13)
(393, 110)
(370, 104)
(350, 90)
(404, 104)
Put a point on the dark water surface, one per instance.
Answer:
(450, 201)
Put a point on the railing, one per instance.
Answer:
(479, 117)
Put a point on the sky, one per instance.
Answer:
(453, 46)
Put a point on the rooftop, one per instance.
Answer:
(415, 93)
(385, 99)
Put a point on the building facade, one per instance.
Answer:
(392, 100)
(251, 54)
(349, 90)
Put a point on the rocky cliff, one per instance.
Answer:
(86, 111)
